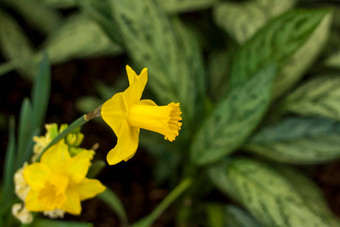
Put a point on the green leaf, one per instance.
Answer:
(41, 93)
(276, 42)
(179, 6)
(79, 37)
(59, 3)
(242, 20)
(270, 197)
(42, 18)
(10, 166)
(55, 223)
(99, 11)
(302, 60)
(236, 217)
(111, 199)
(25, 131)
(219, 63)
(86, 104)
(298, 140)
(333, 60)
(234, 118)
(95, 168)
(215, 215)
(14, 44)
(318, 97)
(167, 49)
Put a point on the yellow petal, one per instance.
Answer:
(134, 92)
(147, 102)
(36, 175)
(72, 203)
(89, 188)
(126, 145)
(131, 74)
(56, 157)
(114, 112)
(78, 166)
(32, 201)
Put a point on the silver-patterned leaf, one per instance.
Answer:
(79, 37)
(14, 44)
(178, 6)
(167, 49)
(317, 97)
(301, 61)
(298, 140)
(272, 198)
(242, 20)
(276, 42)
(234, 118)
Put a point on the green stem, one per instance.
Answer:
(77, 123)
(148, 220)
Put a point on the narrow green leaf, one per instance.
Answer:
(95, 168)
(166, 48)
(86, 104)
(179, 6)
(215, 215)
(317, 97)
(298, 140)
(242, 20)
(276, 42)
(234, 118)
(270, 197)
(79, 37)
(58, 223)
(41, 93)
(39, 16)
(14, 44)
(111, 199)
(7, 191)
(25, 131)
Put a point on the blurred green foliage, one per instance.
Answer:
(269, 88)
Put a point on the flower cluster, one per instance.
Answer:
(57, 183)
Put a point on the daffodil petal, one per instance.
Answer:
(127, 144)
(78, 166)
(132, 76)
(36, 175)
(56, 156)
(147, 102)
(89, 188)
(32, 201)
(72, 203)
(114, 112)
(134, 92)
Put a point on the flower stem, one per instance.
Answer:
(77, 123)
(148, 220)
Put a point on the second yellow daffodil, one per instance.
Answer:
(58, 181)
(126, 113)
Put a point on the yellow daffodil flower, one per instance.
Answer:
(58, 181)
(126, 113)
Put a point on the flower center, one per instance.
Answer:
(160, 119)
(51, 196)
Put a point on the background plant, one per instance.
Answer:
(257, 80)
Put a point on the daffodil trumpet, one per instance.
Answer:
(126, 114)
